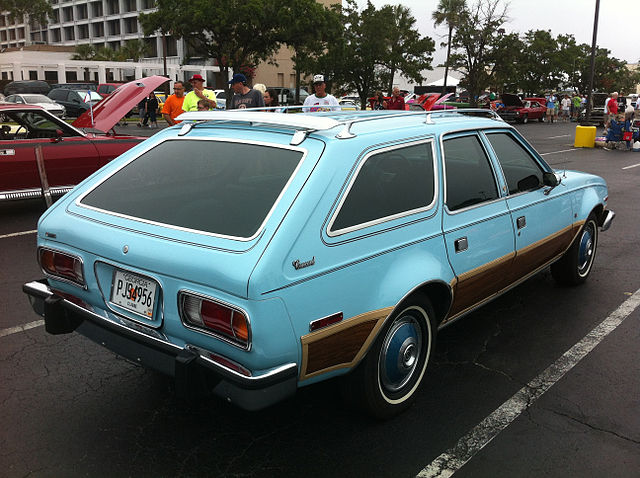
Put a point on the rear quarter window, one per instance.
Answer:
(223, 188)
(388, 184)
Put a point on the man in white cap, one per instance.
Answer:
(199, 92)
(321, 101)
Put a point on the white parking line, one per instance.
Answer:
(632, 166)
(559, 136)
(21, 328)
(563, 151)
(14, 234)
(455, 458)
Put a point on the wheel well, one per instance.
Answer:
(598, 211)
(439, 294)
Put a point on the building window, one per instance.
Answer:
(98, 29)
(12, 34)
(69, 34)
(3, 35)
(130, 6)
(114, 27)
(152, 48)
(3, 22)
(281, 79)
(51, 76)
(56, 16)
(131, 25)
(83, 32)
(67, 14)
(82, 12)
(21, 33)
(33, 75)
(70, 76)
(147, 4)
(96, 9)
(113, 7)
(172, 46)
(55, 35)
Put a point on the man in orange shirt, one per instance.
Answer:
(173, 105)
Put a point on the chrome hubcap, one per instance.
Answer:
(585, 253)
(400, 353)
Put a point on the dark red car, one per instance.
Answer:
(522, 111)
(70, 153)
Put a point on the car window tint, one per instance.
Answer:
(217, 187)
(469, 176)
(520, 169)
(388, 183)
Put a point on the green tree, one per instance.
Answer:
(406, 51)
(236, 33)
(105, 54)
(306, 27)
(132, 50)
(84, 52)
(37, 9)
(473, 42)
(507, 57)
(448, 12)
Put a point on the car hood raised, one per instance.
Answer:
(511, 100)
(115, 107)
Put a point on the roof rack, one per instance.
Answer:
(305, 124)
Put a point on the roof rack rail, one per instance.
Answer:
(304, 124)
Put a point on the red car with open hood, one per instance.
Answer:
(69, 153)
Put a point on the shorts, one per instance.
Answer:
(551, 111)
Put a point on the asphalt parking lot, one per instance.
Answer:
(544, 381)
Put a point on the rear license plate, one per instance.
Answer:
(134, 293)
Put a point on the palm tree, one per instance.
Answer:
(84, 52)
(448, 12)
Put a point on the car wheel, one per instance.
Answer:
(384, 384)
(525, 119)
(574, 266)
(542, 119)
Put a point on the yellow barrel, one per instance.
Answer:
(585, 137)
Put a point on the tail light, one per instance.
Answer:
(62, 266)
(220, 319)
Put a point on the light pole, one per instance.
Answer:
(593, 64)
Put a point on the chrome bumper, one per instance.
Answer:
(606, 219)
(186, 364)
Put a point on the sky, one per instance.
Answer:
(559, 16)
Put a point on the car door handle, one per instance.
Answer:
(521, 222)
(461, 244)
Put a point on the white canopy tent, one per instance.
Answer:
(451, 81)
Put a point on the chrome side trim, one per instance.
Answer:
(32, 193)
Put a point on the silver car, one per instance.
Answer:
(38, 100)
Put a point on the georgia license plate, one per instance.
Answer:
(133, 292)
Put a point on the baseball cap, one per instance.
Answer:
(318, 79)
(238, 78)
(196, 77)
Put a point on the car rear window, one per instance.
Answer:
(223, 188)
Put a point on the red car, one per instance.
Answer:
(70, 153)
(522, 111)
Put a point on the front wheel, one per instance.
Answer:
(384, 384)
(525, 119)
(542, 119)
(574, 267)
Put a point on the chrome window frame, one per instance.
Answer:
(356, 173)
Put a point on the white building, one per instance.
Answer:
(25, 52)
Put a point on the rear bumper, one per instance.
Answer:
(147, 347)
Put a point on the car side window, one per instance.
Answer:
(521, 170)
(469, 176)
(388, 184)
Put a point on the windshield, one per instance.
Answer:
(91, 96)
(33, 99)
(217, 187)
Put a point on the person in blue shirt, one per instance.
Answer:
(617, 127)
(551, 107)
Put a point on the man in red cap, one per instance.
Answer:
(199, 93)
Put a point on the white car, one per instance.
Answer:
(221, 99)
(38, 100)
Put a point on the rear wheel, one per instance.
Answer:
(384, 384)
(542, 119)
(525, 119)
(574, 267)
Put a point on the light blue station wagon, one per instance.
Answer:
(259, 252)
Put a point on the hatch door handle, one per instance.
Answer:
(521, 222)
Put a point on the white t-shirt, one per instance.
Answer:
(566, 103)
(326, 103)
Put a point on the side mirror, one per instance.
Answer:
(58, 137)
(550, 179)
